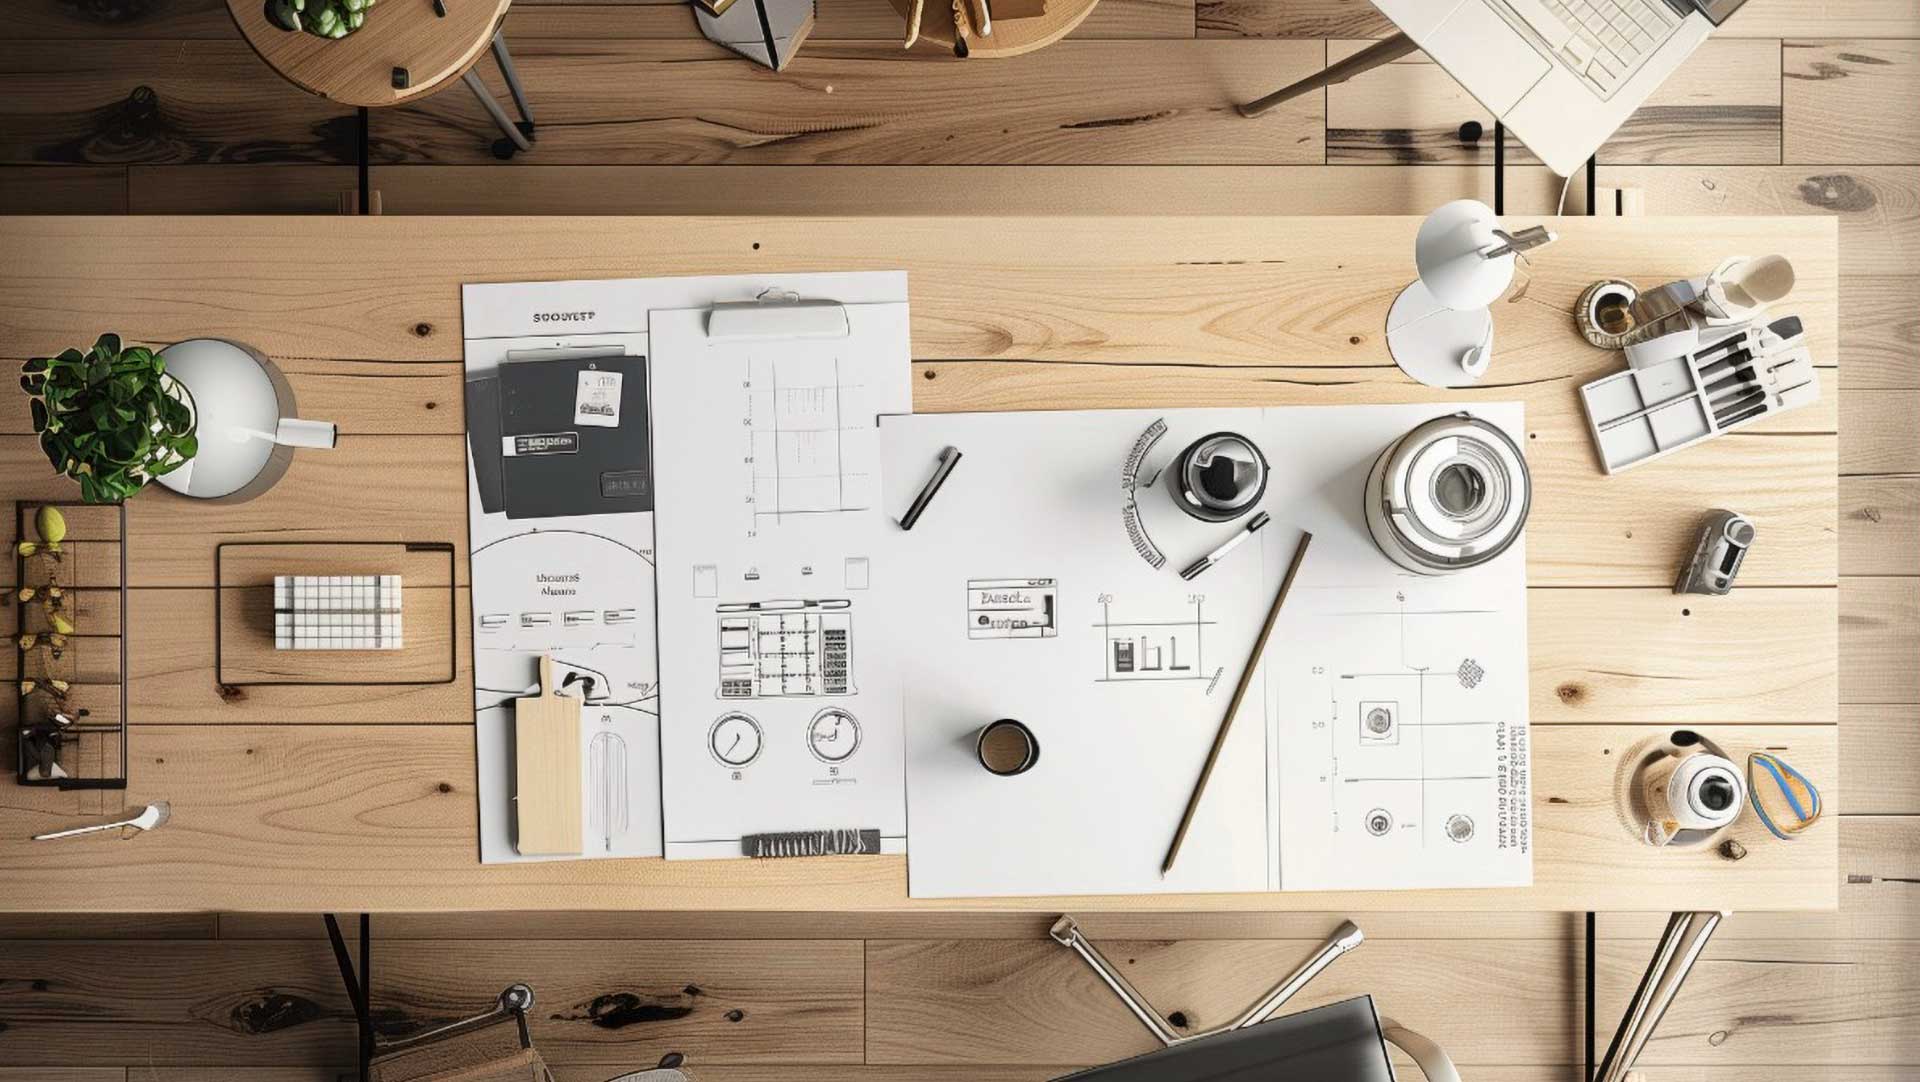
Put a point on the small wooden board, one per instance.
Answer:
(546, 740)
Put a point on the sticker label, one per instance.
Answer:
(546, 443)
(1012, 608)
(625, 484)
(597, 400)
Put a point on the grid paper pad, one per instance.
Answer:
(336, 612)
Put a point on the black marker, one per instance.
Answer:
(1194, 569)
(948, 458)
(1726, 413)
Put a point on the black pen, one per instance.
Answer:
(1755, 410)
(1727, 412)
(1731, 359)
(1742, 375)
(948, 458)
(1194, 569)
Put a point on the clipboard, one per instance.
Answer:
(778, 314)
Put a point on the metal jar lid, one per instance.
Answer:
(1451, 494)
(1219, 477)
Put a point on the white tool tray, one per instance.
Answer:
(1749, 374)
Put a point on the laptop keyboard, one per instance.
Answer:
(1602, 41)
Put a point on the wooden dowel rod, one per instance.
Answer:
(1233, 706)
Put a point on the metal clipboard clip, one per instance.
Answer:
(778, 313)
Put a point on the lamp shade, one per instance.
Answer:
(240, 404)
(1447, 250)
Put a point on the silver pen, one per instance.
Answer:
(1193, 569)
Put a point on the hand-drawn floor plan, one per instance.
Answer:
(1396, 741)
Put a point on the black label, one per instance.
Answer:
(615, 484)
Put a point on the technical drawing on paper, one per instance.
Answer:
(1416, 734)
(1013, 608)
(607, 815)
(770, 549)
(833, 735)
(1172, 647)
(735, 739)
(785, 648)
(1134, 473)
(810, 438)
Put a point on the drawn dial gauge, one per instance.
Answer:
(833, 736)
(735, 739)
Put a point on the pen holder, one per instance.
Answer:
(1664, 401)
(1604, 313)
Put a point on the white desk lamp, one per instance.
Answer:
(1439, 329)
(241, 405)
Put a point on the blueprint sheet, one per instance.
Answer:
(1384, 741)
(780, 707)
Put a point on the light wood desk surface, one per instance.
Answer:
(305, 799)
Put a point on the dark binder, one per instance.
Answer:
(561, 454)
(483, 439)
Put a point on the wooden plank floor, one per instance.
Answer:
(1800, 107)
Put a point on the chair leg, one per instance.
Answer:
(1385, 51)
(1679, 948)
(516, 139)
(1067, 933)
(358, 981)
(505, 60)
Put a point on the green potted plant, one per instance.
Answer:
(321, 18)
(111, 418)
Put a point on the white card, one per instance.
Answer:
(597, 401)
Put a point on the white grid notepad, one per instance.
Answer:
(336, 612)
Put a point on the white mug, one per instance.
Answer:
(1739, 289)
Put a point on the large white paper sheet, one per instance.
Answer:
(597, 563)
(1126, 695)
(578, 587)
(780, 707)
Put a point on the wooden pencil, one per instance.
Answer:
(1233, 705)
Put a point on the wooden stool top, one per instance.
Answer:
(358, 69)
(1010, 37)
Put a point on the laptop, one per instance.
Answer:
(1561, 74)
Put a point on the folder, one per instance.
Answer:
(571, 435)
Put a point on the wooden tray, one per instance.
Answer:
(244, 653)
